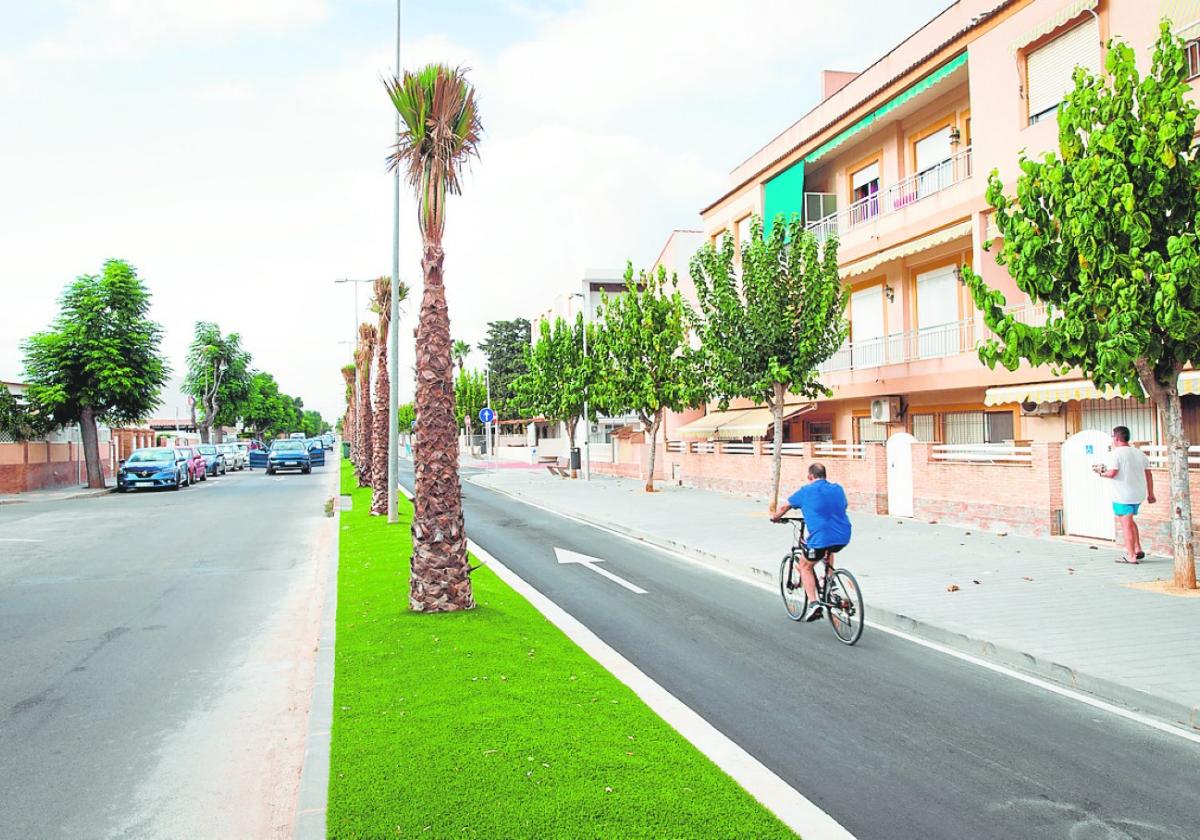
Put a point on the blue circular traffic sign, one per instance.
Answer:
(486, 415)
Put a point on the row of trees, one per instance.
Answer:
(101, 362)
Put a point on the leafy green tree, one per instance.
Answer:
(648, 366)
(765, 332)
(1105, 233)
(100, 360)
(505, 346)
(312, 423)
(19, 419)
(268, 412)
(558, 376)
(470, 395)
(218, 377)
(406, 415)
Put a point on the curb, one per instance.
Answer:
(85, 494)
(1170, 711)
(313, 797)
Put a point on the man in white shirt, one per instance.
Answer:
(1129, 469)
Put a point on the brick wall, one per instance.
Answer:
(38, 465)
(1154, 521)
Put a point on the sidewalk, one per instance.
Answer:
(58, 494)
(1061, 610)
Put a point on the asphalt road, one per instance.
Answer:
(156, 655)
(890, 738)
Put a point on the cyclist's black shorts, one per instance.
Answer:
(815, 554)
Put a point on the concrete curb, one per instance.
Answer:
(1170, 711)
(313, 798)
(83, 494)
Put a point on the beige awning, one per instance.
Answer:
(757, 422)
(1063, 390)
(1047, 25)
(1184, 16)
(914, 246)
(706, 426)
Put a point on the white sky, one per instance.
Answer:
(233, 150)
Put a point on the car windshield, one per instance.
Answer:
(207, 449)
(289, 446)
(226, 447)
(151, 455)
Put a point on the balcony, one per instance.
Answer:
(895, 198)
(928, 343)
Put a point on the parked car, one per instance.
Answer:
(258, 457)
(296, 436)
(328, 440)
(289, 455)
(316, 451)
(244, 449)
(214, 460)
(234, 459)
(197, 466)
(155, 466)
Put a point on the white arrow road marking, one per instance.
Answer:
(565, 556)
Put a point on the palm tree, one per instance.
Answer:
(459, 352)
(348, 423)
(440, 132)
(382, 304)
(364, 427)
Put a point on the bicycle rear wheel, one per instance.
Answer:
(794, 600)
(844, 606)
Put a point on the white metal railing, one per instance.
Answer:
(941, 176)
(927, 343)
(1157, 455)
(839, 450)
(703, 447)
(737, 448)
(794, 449)
(982, 453)
(674, 446)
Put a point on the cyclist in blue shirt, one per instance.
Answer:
(823, 504)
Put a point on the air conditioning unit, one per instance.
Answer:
(1029, 408)
(885, 409)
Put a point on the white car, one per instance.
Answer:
(236, 458)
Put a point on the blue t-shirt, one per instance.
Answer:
(823, 504)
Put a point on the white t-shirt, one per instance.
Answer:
(1129, 484)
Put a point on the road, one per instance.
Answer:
(156, 655)
(890, 738)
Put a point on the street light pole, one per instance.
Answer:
(587, 422)
(393, 470)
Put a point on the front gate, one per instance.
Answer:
(1087, 503)
(900, 474)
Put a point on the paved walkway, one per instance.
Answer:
(57, 494)
(1060, 609)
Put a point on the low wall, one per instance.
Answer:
(1154, 521)
(38, 465)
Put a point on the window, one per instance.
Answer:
(978, 426)
(868, 431)
(1192, 52)
(937, 313)
(933, 165)
(864, 193)
(819, 430)
(1103, 415)
(1049, 68)
(866, 326)
(924, 427)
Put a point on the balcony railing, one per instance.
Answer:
(941, 176)
(927, 343)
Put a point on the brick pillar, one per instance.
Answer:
(876, 460)
(1047, 466)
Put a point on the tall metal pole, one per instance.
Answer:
(487, 427)
(393, 470)
(587, 422)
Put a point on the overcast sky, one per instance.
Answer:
(233, 150)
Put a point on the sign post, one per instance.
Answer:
(487, 417)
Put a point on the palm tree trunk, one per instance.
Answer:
(379, 442)
(365, 421)
(439, 580)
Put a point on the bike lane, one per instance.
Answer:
(891, 739)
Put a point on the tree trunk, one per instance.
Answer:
(366, 424)
(439, 580)
(379, 442)
(777, 456)
(653, 449)
(571, 423)
(91, 448)
(1167, 399)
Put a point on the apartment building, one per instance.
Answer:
(894, 160)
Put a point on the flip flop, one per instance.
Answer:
(1126, 561)
(1141, 555)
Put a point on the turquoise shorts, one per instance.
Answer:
(1125, 510)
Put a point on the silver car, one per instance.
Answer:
(235, 457)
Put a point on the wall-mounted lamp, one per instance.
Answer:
(955, 136)
(889, 292)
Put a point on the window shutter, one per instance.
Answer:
(865, 176)
(1049, 67)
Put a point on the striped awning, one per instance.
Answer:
(757, 422)
(914, 246)
(1047, 25)
(1064, 390)
(706, 426)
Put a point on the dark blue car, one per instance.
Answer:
(158, 466)
(316, 451)
(289, 455)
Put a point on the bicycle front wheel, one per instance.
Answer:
(794, 599)
(844, 606)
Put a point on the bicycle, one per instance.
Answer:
(838, 592)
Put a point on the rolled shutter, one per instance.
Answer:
(1049, 67)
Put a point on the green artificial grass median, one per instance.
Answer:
(492, 723)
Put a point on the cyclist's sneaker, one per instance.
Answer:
(814, 612)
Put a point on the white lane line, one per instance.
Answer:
(1028, 679)
(794, 809)
(17, 539)
(565, 556)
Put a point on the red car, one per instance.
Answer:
(197, 471)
